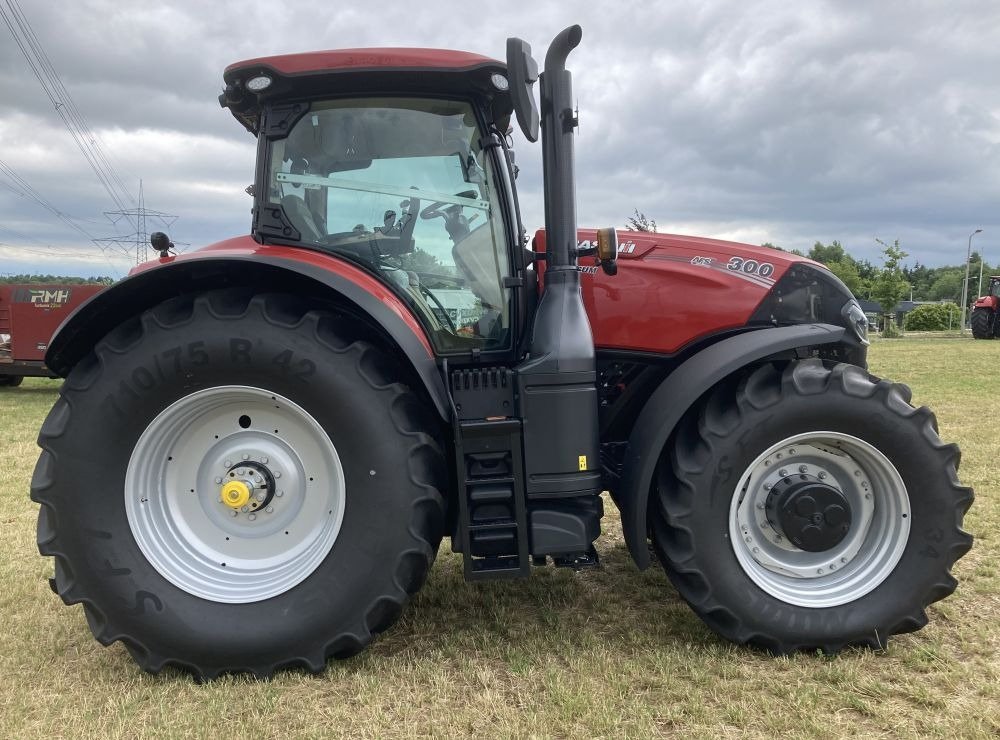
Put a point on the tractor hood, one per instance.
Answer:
(672, 291)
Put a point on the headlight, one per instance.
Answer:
(804, 295)
(855, 318)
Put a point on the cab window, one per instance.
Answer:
(402, 186)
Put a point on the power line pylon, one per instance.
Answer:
(138, 241)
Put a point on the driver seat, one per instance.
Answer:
(475, 257)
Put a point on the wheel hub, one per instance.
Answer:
(235, 493)
(252, 477)
(813, 516)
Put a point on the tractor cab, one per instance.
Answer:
(396, 160)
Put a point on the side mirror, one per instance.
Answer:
(607, 250)
(522, 73)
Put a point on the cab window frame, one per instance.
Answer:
(507, 241)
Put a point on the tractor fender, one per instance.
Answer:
(989, 301)
(315, 273)
(676, 394)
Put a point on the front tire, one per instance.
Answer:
(810, 507)
(334, 519)
(982, 323)
(11, 381)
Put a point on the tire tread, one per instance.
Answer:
(692, 452)
(374, 365)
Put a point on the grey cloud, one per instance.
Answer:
(794, 122)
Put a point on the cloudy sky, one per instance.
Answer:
(787, 122)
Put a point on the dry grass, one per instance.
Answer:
(612, 652)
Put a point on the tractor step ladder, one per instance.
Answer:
(493, 521)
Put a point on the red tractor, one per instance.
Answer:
(984, 312)
(260, 445)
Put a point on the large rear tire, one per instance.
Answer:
(982, 323)
(11, 381)
(810, 507)
(332, 517)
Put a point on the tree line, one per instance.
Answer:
(923, 283)
(33, 279)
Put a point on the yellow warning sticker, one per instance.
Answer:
(583, 462)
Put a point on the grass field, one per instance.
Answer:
(612, 652)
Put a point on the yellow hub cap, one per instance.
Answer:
(235, 494)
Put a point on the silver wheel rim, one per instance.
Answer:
(207, 548)
(869, 551)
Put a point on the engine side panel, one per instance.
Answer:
(671, 291)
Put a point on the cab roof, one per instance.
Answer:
(359, 59)
(385, 71)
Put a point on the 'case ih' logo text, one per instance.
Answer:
(42, 298)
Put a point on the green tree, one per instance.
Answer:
(847, 270)
(890, 286)
(833, 252)
(933, 317)
(639, 222)
(947, 285)
(420, 260)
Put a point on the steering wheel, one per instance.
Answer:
(434, 210)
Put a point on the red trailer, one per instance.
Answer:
(29, 316)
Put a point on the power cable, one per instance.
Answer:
(63, 103)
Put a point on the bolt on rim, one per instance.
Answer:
(235, 494)
(846, 565)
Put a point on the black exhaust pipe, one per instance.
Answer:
(557, 382)
(558, 129)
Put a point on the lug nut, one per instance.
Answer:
(227, 464)
(277, 473)
(245, 508)
(803, 468)
(234, 512)
(246, 457)
(279, 494)
(783, 472)
(264, 460)
(252, 517)
(822, 475)
(218, 480)
(269, 509)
